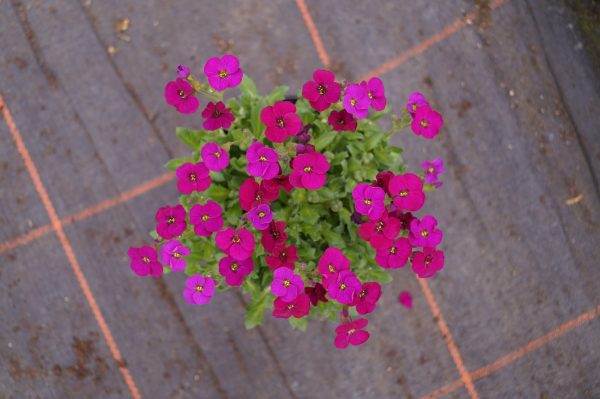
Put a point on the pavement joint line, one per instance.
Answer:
(314, 33)
(68, 249)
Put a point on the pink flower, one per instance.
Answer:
(322, 91)
(297, 308)
(309, 171)
(383, 180)
(170, 221)
(172, 255)
(356, 100)
(274, 236)
(416, 101)
(343, 287)
(223, 73)
(280, 181)
(206, 219)
(282, 257)
(239, 244)
(351, 333)
(432, 171)
(215, 158)
(199, 289)
(333, 261)
(144, 261)
(192, 177)
(281, 121)
(395, 256)
(405, 299)
(367, 298)
(342, 121)
(427, 263)
(380, 233)
(183, 72)
(369, 200)
(316, 293)
(426, 122)
(376, 93)
(180, 94)
(260, 217)
(408, 191)
(253, 194)
(217, 116)
(234, 271)
(262, 161)
(286, 284)
(423, 233)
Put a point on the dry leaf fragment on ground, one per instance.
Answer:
(121, 25)
(574, 200)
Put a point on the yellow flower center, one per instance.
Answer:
(352, 331)
(393, 250)
(308, 169)
(414, 107)
(291, 306)
(379, 226)
(261, 214)
(427, 260)
(282, 254)
(145, 259)
(431, 169)
(370, 95)
(205, 218)
(343, 287)
(353, 102)
(234, 267)
(286, 283)
(176, 255)
(223, 74)
(235, 239)
(331, 268)
(362, 294)
(199, 288)
(181, 93)
(262, 158)
(217, 154)
(424, 123)
(321, 89)
(192, 177)
(424, 233)
(403, 193)
(258, 197)
(171, 220)
(367, 202)
(280, 122)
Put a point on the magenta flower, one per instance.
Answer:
(297, 308)
(172, 254)
(405, 299)
(170, 221)
(192, 177)
(343, 287)
(408, 191)
(253, 194)
(215, 158)
(281, 121)
(423, 233)
(286, 284)
(183, 72)
(199, 289)
(367, 298)
(206, 219)
(260, 217)
(369, 200)
(309, 171)
(432, 171)
(223, 73)
(427, 122)
(380, 233)
(316, 293)
(383, 180)
(144, 261)
(282, 257)
(262, 161)
(376, 93)
(217, 116)
(351, 333)
(342, 121)
(280, 181)
(239, 244)
(415, 102)
(333, 261)
(427, 263)
(274, 236)
(395, 256)
(234, 271)
(180, 94)
(356, 100)
(322, 91)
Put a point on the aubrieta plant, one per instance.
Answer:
(302, 202)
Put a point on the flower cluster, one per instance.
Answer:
(286, 198)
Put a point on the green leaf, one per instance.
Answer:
(191, 138)
(324, 139)
(255, 311)
(248, 87)
(217, 193)
(374, 139)
(277, 94)
(378, 274)
(173, 164)
(298, 324)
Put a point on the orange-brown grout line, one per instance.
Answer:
(58, 228)
(465, 377)
(314, 33)
(519, 352)
(89, 212)
(449, 30)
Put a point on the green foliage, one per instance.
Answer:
(315, 219)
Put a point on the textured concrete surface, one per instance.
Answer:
(520, 207)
